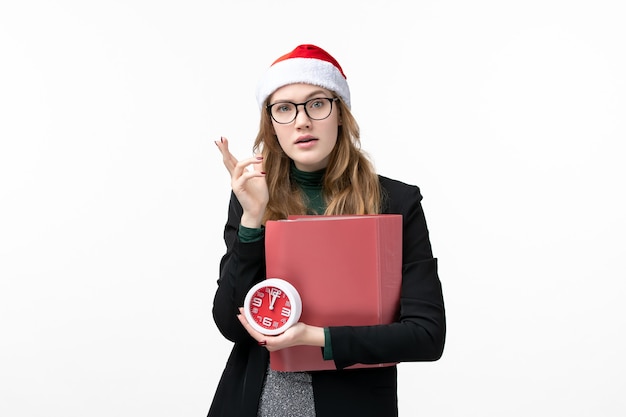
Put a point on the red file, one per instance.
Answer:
(347, 269)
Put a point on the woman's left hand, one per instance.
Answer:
(296, 335)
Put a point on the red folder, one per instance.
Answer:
(347, 269)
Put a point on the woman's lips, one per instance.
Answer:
(306, 143)
(305, 139)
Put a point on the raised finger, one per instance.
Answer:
(229, 160)
(241, 170)
(258, 167)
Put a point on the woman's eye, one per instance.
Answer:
(316, 104)
(284, 108)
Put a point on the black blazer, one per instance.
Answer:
(419, 335)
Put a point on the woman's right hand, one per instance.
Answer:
(248, 185)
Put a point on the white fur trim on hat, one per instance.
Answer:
(302, 70)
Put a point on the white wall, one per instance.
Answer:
(508, 115)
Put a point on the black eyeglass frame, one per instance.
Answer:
(330, 100)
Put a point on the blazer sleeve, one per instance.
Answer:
(419, 333)
(242, 266)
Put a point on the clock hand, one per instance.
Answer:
(274, 295)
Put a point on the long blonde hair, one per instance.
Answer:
(350, 184)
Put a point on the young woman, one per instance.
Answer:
(308, 161)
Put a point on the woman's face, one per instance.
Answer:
(306, 141)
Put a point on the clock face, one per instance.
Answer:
(272, 306)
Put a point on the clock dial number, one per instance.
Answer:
(257, 301)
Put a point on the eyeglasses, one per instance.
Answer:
(285, 112)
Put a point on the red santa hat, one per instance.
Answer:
(308, 64)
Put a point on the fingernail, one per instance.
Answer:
(262, 343)
(259, 158)
(222, 139)
(263, 172)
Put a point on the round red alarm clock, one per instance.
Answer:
(272, 306)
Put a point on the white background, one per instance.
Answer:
(508, 115)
